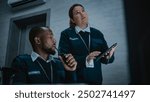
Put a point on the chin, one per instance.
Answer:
(50, 51)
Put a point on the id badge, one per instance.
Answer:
(90, 64)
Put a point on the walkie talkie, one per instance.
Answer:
(62, 55)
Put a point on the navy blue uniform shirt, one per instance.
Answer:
(70, 42)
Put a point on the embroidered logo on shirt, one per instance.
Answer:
(73, 38)
(34, 72)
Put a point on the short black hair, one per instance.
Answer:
(36, 31)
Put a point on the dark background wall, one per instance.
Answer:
(137, 14)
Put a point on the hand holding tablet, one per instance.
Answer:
(108, 50)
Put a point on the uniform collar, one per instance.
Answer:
(35, 55)
(78, 29)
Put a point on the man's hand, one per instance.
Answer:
(70, 64)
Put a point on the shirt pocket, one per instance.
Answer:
(34, 76)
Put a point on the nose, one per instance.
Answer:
(82, 13)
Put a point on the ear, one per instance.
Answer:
(37, 40)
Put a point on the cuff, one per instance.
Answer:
(90, 64)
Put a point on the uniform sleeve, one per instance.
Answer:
(20, 75)
(64, 46)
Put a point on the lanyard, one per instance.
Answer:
(45, 71)
(89, 42)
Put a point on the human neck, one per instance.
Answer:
(82, 26)
(43, 54)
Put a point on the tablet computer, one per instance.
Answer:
(109, 49)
